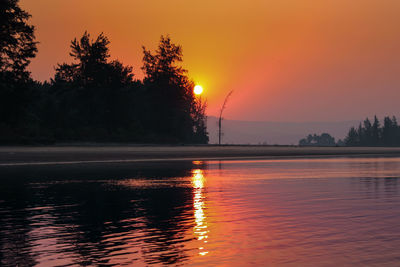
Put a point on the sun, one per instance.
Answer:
(198, 90)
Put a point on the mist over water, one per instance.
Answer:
(319, 212)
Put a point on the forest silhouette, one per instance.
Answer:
(373, 134)
(366, 134)
(94, 98)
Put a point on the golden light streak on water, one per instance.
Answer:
(201, 228)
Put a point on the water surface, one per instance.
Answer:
(293, 212)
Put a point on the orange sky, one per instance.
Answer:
(286, 60)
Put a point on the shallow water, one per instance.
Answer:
(293, 212)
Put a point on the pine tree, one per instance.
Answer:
(17, 42)
(17, 48)
(352, 138)
(376, 132)
(174, 114)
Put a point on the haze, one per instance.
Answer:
(286, 60)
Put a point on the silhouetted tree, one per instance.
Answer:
(352, 138)
(91, 67)
(200, 134)
(375, 132)
(389, 131)
(220, 117)
(375, 135)
(361, 135)
(93, 91)
(318, 140)
(173, 113)
(367, 132)
(17, 42)
(17, 48)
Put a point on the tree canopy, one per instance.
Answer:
(324, 139)
(17, 48)
(175, 113)
(17, 41)
(375, 135)
(94, 98)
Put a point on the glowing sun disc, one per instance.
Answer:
(198, 90)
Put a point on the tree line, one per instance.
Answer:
(375, 134)
(94, 98)
(324, 139)
(366, 134)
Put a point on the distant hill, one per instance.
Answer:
(271, 133)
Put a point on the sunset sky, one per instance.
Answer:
(286, 60)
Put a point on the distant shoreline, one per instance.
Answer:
(104, 153)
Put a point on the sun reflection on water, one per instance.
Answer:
(200, 229)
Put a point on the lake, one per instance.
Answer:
(283, 212)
